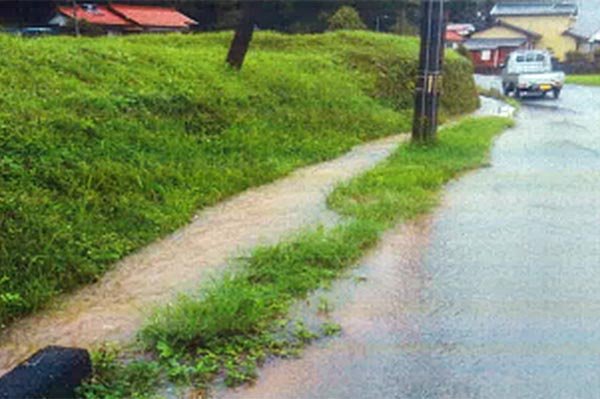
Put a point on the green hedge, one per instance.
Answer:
(109, 143)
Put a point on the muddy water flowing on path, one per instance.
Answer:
(497, 297)
(114, 308)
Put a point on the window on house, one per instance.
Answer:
(486, 55)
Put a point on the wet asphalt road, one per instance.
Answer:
(497, 296)
(515, 262)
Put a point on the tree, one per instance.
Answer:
(242, 36)
(407, 12)
(346, 18)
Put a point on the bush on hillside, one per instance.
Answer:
(403, 26)
(346, 18)
(85, 28)
(462, 50)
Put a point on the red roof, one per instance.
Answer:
(153, 16)
(453, 36)
(99, 15)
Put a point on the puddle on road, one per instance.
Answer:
(114, 308)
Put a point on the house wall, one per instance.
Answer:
(497, 58)
(59, 20)
(453, 44)
(551, 28)
(480, 63)
(498, 32)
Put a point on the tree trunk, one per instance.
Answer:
(243, 36)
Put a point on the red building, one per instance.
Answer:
(456, 34)
(490, 47)
(119, 18)
(489, 54)
(453, 39)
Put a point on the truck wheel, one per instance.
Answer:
(556, 93)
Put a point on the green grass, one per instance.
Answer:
(234, 322)
(409, 182)
(107, 144)
(587, 80)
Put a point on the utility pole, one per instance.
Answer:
(429, 81)
(76, 18)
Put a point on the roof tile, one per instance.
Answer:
(98, 15)
(151, 16)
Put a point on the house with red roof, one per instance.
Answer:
(456, 34)
(453, 39)
(121, 18)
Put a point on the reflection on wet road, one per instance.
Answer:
(496, 297)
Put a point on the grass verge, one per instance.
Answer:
(231, 326)
(586, 80)
(109, 143)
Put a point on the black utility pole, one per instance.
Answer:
(431, 59)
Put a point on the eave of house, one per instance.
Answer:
(493, 44)
(593, 38)
(534, 8)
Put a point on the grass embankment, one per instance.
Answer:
(232, 325)
(108, 143)
(587, 80)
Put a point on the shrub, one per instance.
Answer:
(462, 50)
(346, 18)
(576, 56)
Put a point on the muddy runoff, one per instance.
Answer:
(113, 309)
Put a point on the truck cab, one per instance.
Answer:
(531, 72)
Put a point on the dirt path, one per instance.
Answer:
(114, 308)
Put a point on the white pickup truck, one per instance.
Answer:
(530, 72)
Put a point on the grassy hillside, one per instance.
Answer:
(108, 143)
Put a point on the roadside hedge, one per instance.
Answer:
(109, 143)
